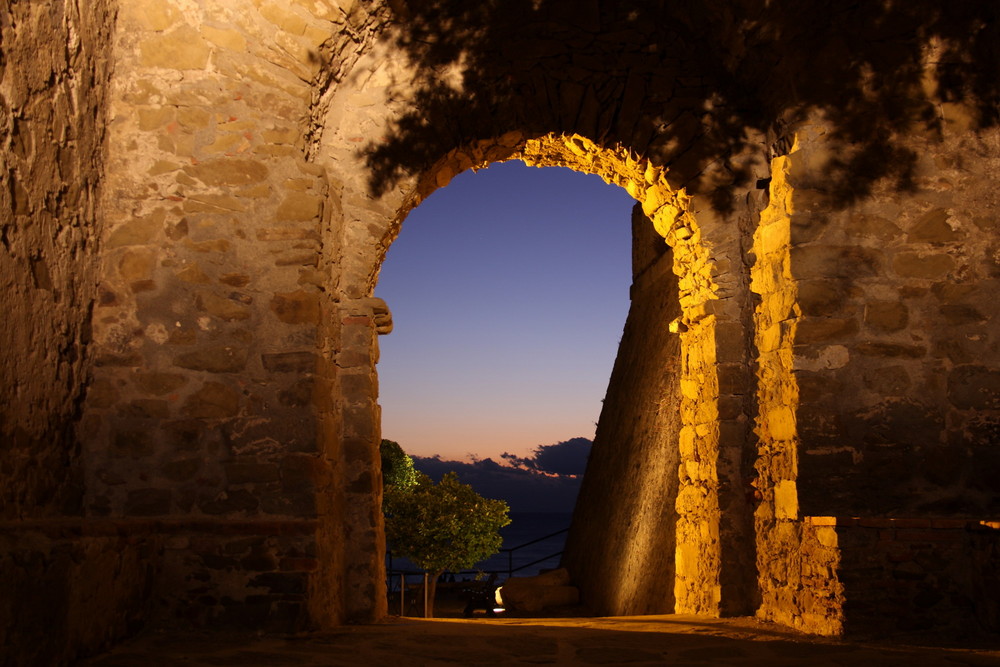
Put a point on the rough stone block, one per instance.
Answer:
(287, 234)
(888, 380)
(298, 394)
(224, 308)
(192, 273)
(181, 48)
(812, 330)
(300, 206)
(235, 279)
(974, 388)
(140, 231)
(823, 298)
(213, 401)
(148, 502)
(294, 502)
(961, 314)
(159, 384)
(208, 203)
(215, 359)
(289, 362)
(929, 266)
(102, 393)
(825, 262)
(134, 444)
(228, 39)
(232, 501)
(886, 315)
(181, 470)
(243, 472)
(228, 171)
(932, 227)
(281, 583)
(148, 408)
(298, 307)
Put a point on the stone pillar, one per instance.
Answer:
(727, 237)
(712, 531)
(779, 533)
(358, 463)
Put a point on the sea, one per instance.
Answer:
(532, 543)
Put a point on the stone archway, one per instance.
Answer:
(684, 530)
(233, 401)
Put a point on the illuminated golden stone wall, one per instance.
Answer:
(782, 546)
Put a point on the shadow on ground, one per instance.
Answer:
(648, 640)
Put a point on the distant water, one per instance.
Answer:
(524, 527)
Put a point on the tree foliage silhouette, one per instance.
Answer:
(694, 84)
(397, 466)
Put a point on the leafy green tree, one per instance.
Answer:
(442, 527)
(397, 466)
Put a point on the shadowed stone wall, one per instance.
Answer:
(67, 590)
(55, 64)
(896, 352)
(198, 197)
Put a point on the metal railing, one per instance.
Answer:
(393, 574)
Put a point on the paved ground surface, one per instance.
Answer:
(647, 640)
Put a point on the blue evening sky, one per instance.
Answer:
(509, 291)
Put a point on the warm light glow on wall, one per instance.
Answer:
(670, 209)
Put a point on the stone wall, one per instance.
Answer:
(72, 589)
(875, 352)
(199, 195)
(634, 457)
(919, 576)
(205, 325)
(894, 578)
(214, 396)
(235, 574)
(896, 355)
(55, 63)
(68, 590)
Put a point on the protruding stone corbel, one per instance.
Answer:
(381, 316)
(374, 308)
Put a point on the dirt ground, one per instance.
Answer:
(568, 638)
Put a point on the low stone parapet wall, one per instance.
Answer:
(71, 590)
(882, 577)
(73, 587)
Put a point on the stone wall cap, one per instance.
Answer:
(902, 522)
